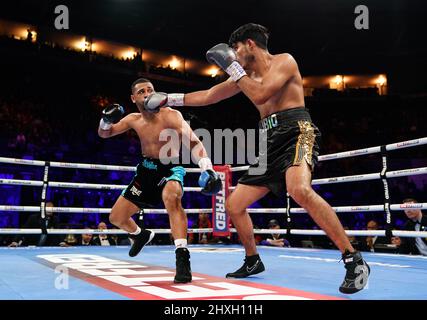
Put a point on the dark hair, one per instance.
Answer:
(410, 200)
(255, 32)
(140, 80)
(273, 222)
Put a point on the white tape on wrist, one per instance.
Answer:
(104, 125)
(205, 164)
(175, 99)
(235, 71)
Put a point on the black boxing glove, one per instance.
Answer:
(225, 57)
(110, 115)
(210, 182)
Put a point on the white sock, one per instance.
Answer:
(138, 231)
(180, 243)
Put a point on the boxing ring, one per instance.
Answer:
(291, 273)
(109, 273)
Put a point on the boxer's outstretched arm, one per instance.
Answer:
(118, 128)
(213, 95)
(280, 72)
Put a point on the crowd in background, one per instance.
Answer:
(54, 116)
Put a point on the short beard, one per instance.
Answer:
(250, 58)
(140, 106)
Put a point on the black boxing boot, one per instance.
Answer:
(251, 266)
(356, 277)
(183, 268)
(140, 241)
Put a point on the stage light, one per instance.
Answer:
(174, 63)
(338, 80)
(381, 80)
(82, 45)
(213, 72)
(130, 54)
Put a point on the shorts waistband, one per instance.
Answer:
(156, 164)
(282, 117)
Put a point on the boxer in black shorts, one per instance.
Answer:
(151, 176)
(159, 177)
(291, 138)
(274, 84)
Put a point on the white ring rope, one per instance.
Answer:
(339, 155)
(360, 152)
(90, 210)
(372, 176)
(371, 150)
(370, 208)
(380, 233)
(91, 231)
(368, 176)
(359, 177)
(75, 185)
(75, 165)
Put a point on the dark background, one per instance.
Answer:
(320, 34)
(54, 97)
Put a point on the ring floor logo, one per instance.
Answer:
(147, 282)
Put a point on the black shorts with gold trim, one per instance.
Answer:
(145, 189)
(291, 138)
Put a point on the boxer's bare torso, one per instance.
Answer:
(278, 73)
(290, 95)
(150, 128)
